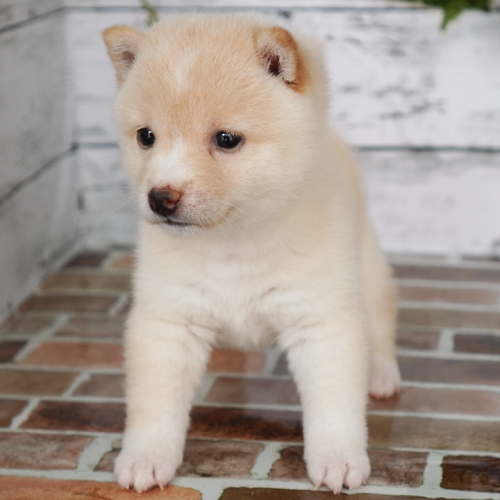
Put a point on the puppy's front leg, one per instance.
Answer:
(330, 365)
(164, 363)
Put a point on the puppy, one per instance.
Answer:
(253, 231)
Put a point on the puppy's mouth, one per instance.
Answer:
(176, 223)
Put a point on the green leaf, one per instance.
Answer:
(452, 8)
(153, 16)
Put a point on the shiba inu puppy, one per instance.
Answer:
(253, 231)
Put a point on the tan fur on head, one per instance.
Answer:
(122, 43)
(281, 57)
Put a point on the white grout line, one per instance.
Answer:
(263, 465)
(70, 292)
(59, 322)
(430, 262)
(204, 388)
(111, 257)
(79, 379)
(87, 340)
(57, 432)
(433, 472)
(252, 406)
(447, 306)
(453, 258)
(19, 419)
(446, 342)
(70, 399)
(473, 453)
(457, 356)
(59, 368)
(451, 284)
(435, 416)
(79, 475)
(92, 454)
(272, 357)
(119, 304)
(450, 386)
(44, 334)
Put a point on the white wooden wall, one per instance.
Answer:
(421, 105)
(38, 177)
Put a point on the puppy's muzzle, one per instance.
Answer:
(164, 201)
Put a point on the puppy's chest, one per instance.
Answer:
(243, 301)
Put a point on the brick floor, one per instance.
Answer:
(62, 407)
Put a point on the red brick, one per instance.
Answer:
(30, 488)
(40, 451)
(446, 273)
(87, 281)
(450, 370)
(471, 473)
(261, 391)
(9, 408)
(477, 343)
(88, 259)
(8, 349)
(232, 361)
(426, 400)
(60, 302)
(80, 354)
(454, 295)
(76, 416)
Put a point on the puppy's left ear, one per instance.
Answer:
(122, 43)
(280, 55)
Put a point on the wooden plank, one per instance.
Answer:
(34, 102)
(397, 80)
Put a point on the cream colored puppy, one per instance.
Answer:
(253, 232)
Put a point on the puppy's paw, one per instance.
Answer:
(385, 379)
(337, 469)
(142, 471)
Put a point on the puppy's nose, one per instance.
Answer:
(164, 201)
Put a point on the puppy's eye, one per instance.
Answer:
(227, 141)
(145, 137)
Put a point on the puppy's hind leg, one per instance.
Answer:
(165, 363)
(380, 300)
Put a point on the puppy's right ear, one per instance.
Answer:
(122, 43)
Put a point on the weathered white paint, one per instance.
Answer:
(312, 4)
(13, 12)
(38, 189)
(420, 202)
(38, 228)
(35, 117)
(309, 4)
(435, 202)
(109, 203)
(397, 80)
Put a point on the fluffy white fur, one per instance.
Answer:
(278, 248)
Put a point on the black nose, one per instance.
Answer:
(164, 201)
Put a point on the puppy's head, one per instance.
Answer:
(220, 118)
